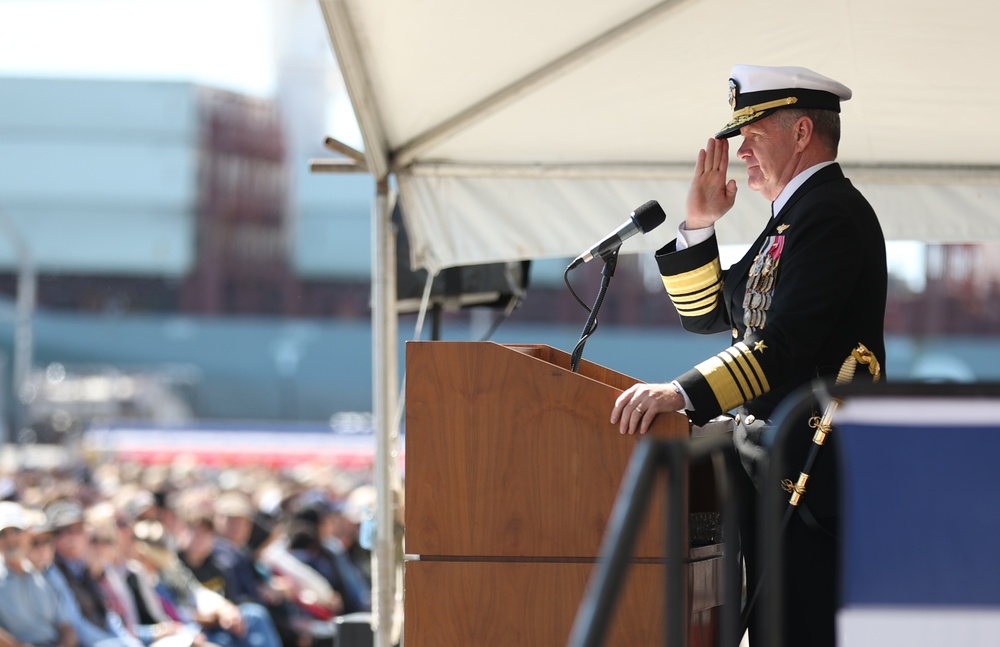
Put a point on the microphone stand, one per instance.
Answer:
(610, 263)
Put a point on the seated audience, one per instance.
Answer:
(164, 591)
(69, 574)
(30, 609)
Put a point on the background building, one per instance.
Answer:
(181, 247)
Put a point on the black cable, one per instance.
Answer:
(572, 291)
(610, 263)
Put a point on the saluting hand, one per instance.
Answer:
(710, 195)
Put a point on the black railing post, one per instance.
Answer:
(675, 630)
(627, 514)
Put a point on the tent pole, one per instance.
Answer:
(385, 359)
(343, 38)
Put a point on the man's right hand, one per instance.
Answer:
(710, 196)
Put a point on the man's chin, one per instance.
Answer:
(760, 186)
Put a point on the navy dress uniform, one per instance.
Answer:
(811, 287)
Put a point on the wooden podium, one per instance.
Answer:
(511, 471)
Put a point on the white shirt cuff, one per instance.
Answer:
(687, 401)
(691, 237)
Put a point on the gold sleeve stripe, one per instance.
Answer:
(732, 358)
(734, 376)
(695, 293)
(700, 296)
(701, 312)
(744, 358)
(695, 280)
(705, 303)
(721, 381)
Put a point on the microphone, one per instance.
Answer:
(644, 219)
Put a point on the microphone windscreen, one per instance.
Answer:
(649, 216)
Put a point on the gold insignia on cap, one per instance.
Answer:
(781, 228)
(751, 111)
(734, 90)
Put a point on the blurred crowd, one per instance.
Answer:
(120, 556)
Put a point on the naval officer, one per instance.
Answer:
(811, 288)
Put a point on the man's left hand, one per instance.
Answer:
(638, 405)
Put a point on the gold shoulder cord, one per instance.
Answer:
(822, 425)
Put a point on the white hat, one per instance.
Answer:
(64, 513)
(756, 91)
(11, 515)
(234, 503)
(360, 503)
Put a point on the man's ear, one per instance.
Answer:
(803, 130)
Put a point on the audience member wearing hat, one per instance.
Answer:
(166, 593)
(232, 555)
(30, 609)
(811, 288)
(40, 550)
(69, 575)
(358, 505)
(12, 516)
(102, 560)
(234, 515)
(195, 550)
(311, 539)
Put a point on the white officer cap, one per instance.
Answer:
(756, 91)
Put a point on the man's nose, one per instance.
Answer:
(744, 151)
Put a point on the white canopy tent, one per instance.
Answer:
(531, 128)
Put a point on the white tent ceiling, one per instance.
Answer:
(530, 128)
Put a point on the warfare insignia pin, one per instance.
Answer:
(781, 228)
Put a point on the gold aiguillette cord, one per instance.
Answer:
(822, 424)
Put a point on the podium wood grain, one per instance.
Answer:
(534, 604)
(510, 454)
(512, 468)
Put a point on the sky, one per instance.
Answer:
(228, 43)
(223, 43)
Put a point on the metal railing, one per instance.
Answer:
(630, 509)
